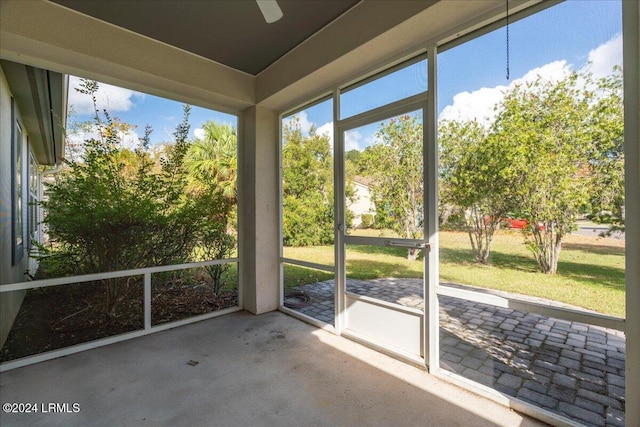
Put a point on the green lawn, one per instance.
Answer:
(590, 271)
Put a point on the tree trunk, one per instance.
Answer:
(546, 246)
(412, 254)
(555, 254)
(480, 234)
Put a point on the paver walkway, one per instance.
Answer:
(569, 368)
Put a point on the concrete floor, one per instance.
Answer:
(268, 370)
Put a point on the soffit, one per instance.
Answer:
(40, 96)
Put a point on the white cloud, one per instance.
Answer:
(305, 124)
(167, 133)
(303, 119)
(326, 129)
(554, 71)
(476, 105)
(111, 98)
(479, 104)
(352, 140)
(129, 139)
(605, 56)
(372, 139)
(199, 133)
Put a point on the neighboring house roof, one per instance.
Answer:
(42, 98)
(362, 180)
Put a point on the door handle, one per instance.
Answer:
(408, 245)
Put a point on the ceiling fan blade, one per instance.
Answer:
(270, 10)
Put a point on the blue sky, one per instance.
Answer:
(471, 76)
(568, 31)
(140, 109)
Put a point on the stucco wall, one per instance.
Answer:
(258, 205)
(362, 204)
(9, 302)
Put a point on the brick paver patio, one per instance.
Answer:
(569, 368)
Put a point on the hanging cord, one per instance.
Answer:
(507, 6)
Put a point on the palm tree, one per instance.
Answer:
(214, 159)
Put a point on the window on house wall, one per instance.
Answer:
(16, 190)
(33, 199)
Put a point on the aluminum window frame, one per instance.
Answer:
(282, 260)
(451, 39)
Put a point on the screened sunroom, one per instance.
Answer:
(381, 206)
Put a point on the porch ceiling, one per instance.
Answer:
(174, 49)
(230, 32)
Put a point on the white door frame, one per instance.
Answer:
(415, 320)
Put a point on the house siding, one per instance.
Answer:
(10, 302)
(362, 204)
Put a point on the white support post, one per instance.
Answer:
(258, 210)
(631, 55)
(339, 215)
(147, 301)
(432, 273)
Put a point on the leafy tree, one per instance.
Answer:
(395, 168)
(307, 187)
(554, 152)
(172, 164)
(211, 164)
(353, 163)
(541, 128)
(475, 177)
(114, 209)
(214, 241)
(606, 124)
(101, 220)
(353, 156)
(215, 158)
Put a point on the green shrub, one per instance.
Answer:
(115, 209)
(366, 220)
